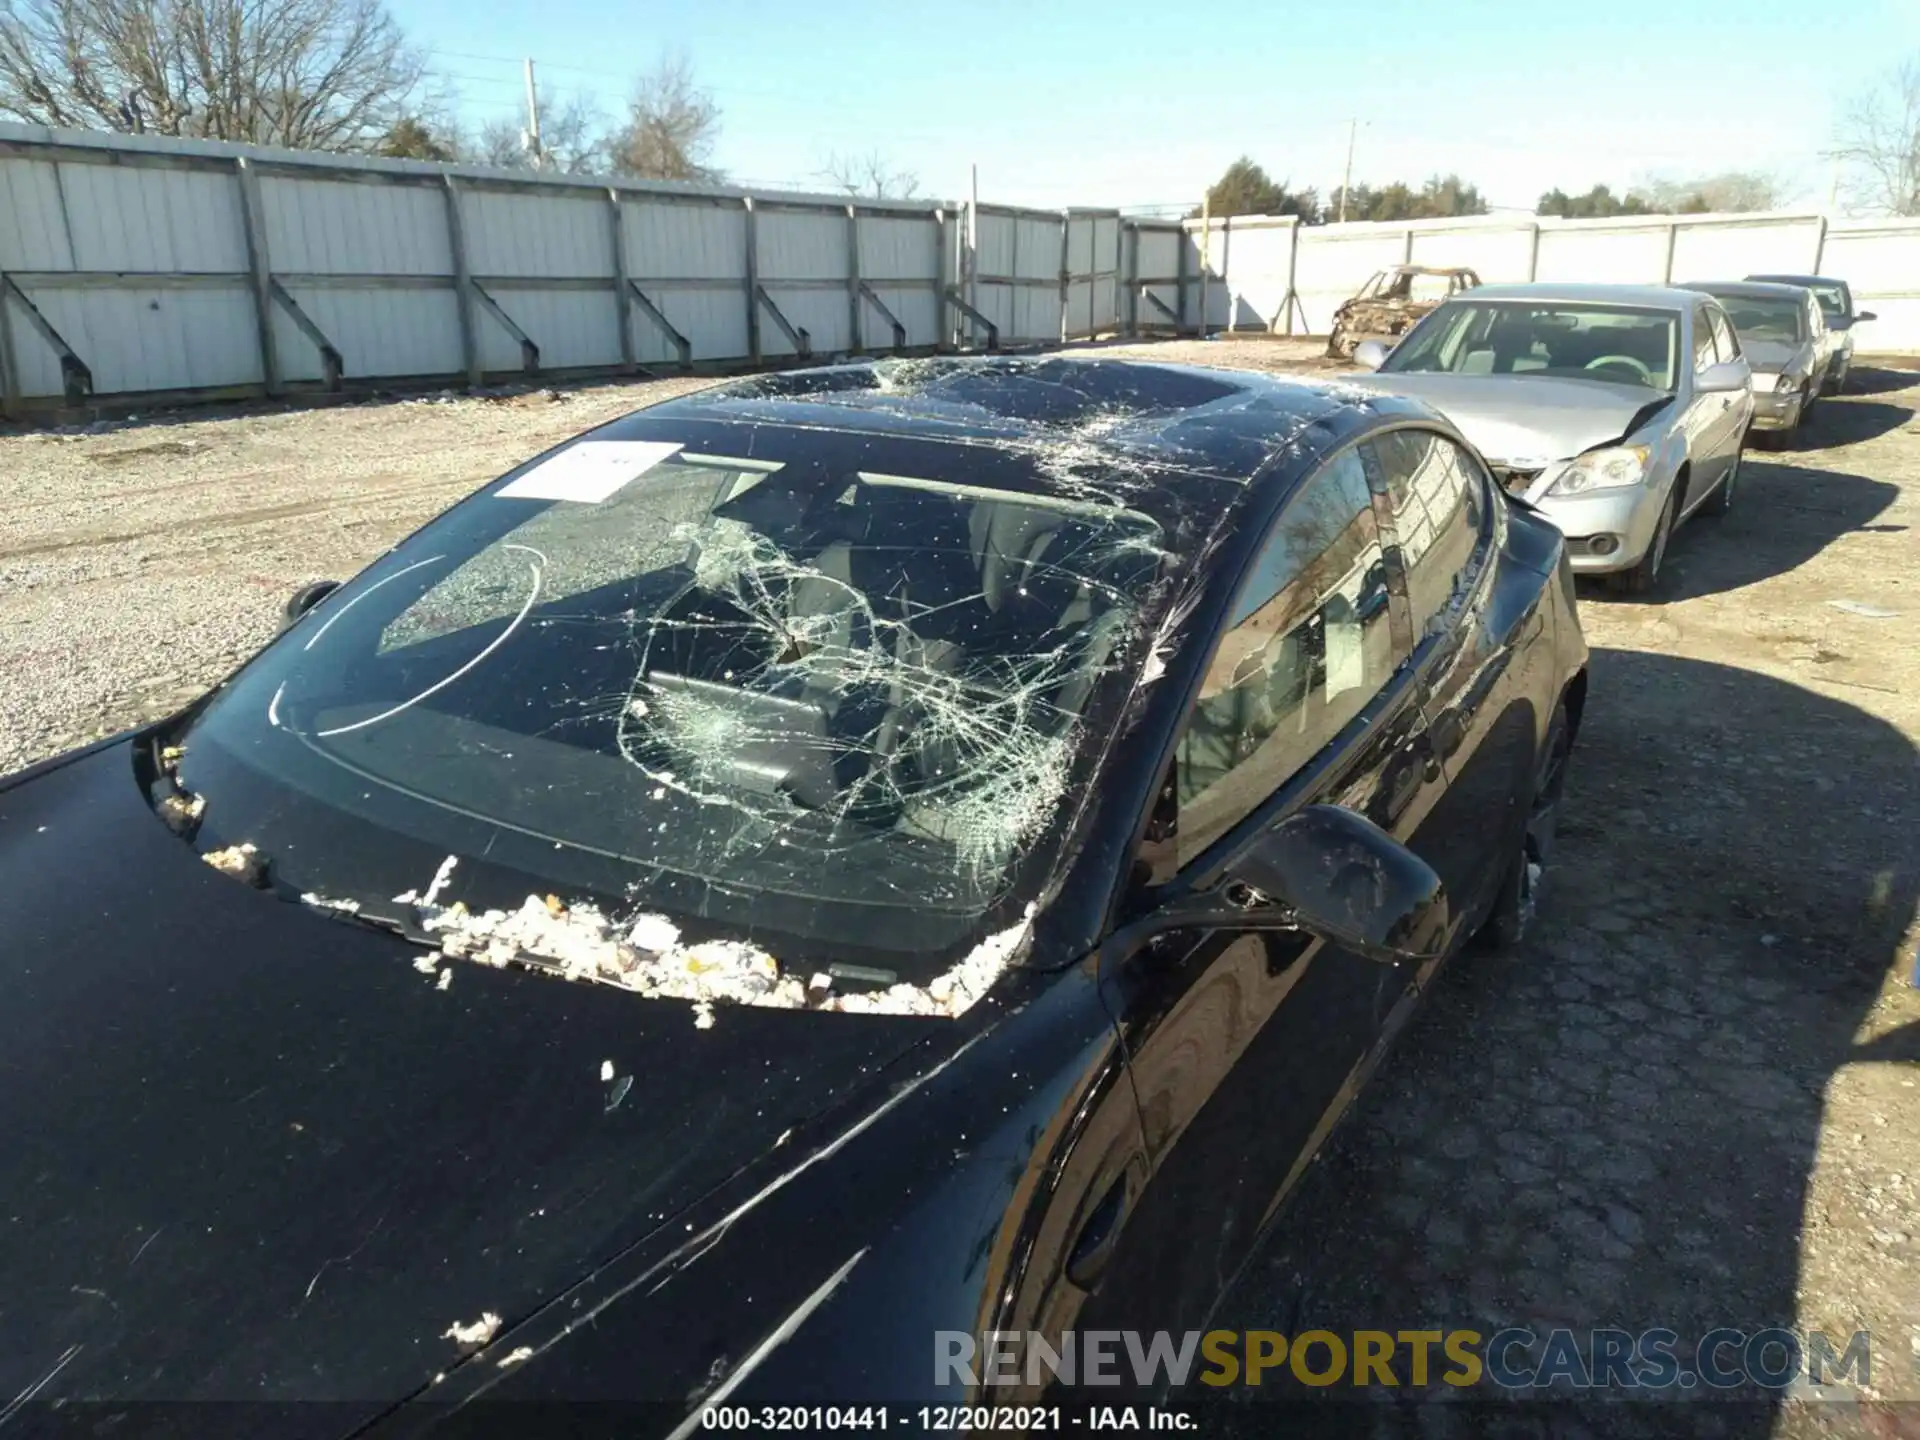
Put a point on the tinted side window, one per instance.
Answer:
(1725, 341)
(1308, 644)
(1438, 499)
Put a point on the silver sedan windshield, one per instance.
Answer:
(1616, 344)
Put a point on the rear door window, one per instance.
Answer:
(1437, 496)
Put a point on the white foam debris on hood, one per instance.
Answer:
(524, 1352)
(953, 993)
(645, 954)
(427, 964)
(234, 860)
(606, 1072)
(324, 902)
(446, 979)
(441, 878)
(479, 1332)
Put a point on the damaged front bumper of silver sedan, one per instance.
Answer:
(1775, 409)
(1607, 529)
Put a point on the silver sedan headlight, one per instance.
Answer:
(1610, 469)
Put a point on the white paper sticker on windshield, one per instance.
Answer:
(589, 472)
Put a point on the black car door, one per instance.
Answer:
(1245, 1046)
(1468, 633)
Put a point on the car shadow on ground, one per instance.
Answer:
(1836, 421)
(1615, 1125)
(1870, 379)
(1784, 514)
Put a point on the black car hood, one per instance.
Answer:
(248, 1152)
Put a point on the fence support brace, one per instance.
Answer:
(1157, 303)
(899, 330)
(955, 299)
(652, 312)
(76, 380)
(796, 335)
(330, 362)
(529, 352)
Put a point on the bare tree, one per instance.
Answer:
(573, 140)
(670, 129)
(869, 175)
(1878, 139)
(310, 74)
(1728, 192)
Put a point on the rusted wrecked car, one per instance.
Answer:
(1391, 301)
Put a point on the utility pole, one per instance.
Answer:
(533, 120)
(972, 257)
(1346, 180)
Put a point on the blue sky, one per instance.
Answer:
(1102, 102)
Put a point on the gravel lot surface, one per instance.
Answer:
(1690, 1101)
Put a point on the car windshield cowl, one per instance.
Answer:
(828, 700)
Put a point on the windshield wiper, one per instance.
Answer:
(350, 911)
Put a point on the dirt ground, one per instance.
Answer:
(1690, 1101)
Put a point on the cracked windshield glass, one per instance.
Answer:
(827, 685)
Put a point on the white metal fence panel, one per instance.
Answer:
(575, 329)
(33, 230)
(158, 338)
(677, 239)
(892, 249)
(1880, 261)
(1734, 250)
(1612, 255)
(1093, 261)
(523, 234)
(1154, 281)
(1016, 273)
(380, 334)
(136, 218)
(914, 306)
(1254, 258)
(334, 227)
(714, 321)
(1498, 255)
(802, 245)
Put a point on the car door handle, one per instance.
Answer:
(1099, 1234)
(1416, 765)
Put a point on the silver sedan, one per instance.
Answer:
(1785, 339)
(1618, 410)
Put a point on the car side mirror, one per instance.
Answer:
(304, 599)
(1335, 874)
(1725, 375)
(1370, 354)
(1863, 315)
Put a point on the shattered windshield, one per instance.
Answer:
(1618, 344)
(833, 686)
